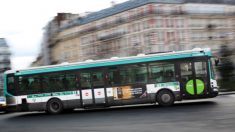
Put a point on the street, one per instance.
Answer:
(208, 115)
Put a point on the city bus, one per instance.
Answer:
(161, 78)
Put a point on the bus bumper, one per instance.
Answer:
(214, 92)
(2, 107)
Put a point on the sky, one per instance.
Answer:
(22, 23)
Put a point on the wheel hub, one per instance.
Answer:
(55, 106)
(165, 98)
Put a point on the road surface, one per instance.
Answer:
(210, 115)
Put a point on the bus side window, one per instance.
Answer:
(186, 71)
(46, 83)
(70, 82)
(139, 73)
(114, 77)
(85, 80)
(29, 84)
(98, 79)
(23, 84)
(10, 85)
(34, 85)
(54, 82)
(156, 73)
(162, 72)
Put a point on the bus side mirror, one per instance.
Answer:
(216, 61)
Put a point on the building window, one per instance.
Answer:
(153, 36)
(152, 23)
(151, 8)
(182, 36)
(159, 23)
(134, 41)
(170, 36)
(169, 22)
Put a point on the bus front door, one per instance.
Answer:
(93, 90)
(193, 79)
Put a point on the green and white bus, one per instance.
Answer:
(154, 78)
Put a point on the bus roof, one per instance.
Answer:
(113, 61)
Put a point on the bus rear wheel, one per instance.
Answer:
(54, 106)
(165, 98)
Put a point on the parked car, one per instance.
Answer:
(2, 103)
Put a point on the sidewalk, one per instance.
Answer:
(226, 93)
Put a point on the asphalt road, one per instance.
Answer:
(210, 115)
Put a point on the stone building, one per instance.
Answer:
(50, 32)
(144, 26)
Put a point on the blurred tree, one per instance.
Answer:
(226, 68)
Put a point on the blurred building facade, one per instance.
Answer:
(51, 30)
(5, 63)
(138, 26)
(211, 25)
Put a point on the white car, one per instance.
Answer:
(2, 103)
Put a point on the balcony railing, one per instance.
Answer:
(111, 35)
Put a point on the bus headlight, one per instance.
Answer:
(213, 84)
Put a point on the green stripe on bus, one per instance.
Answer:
(52, 94)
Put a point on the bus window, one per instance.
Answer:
(201, 72)
(34, 84)
(160, 72)
(46, 83)
(29, 85)
(23, 84)
(200, 69)
(126, 75)
(85, 80)
(113, 76)
(139, 73)
(186, 71)
(10, 85)
(212, 72)
(98, 80)
(71, 82)
(56, 83)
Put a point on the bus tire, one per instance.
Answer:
(165, 98)
(54, 106)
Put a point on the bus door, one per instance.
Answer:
(193, 78)
(92, 88)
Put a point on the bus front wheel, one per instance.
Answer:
(54, 106)
(165, 98)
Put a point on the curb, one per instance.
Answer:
(226, 93)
